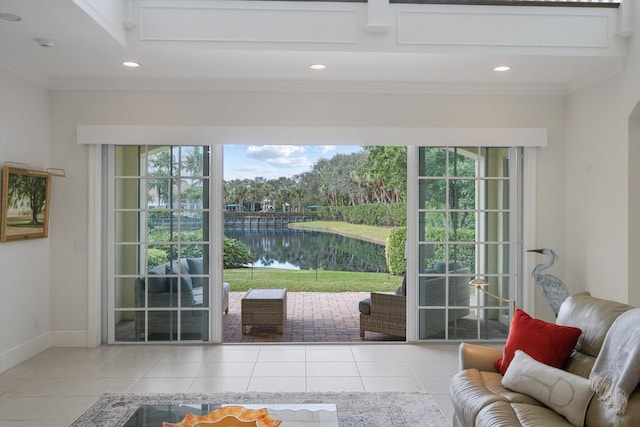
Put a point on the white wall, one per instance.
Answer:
(24, 266)
(598, 218)
(634, 203)
(561, 218)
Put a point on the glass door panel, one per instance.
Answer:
(467, 198)
(160, 276)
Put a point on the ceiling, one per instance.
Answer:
(88, 53)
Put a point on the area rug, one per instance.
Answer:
(354, 409)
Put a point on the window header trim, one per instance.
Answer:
(283, 135)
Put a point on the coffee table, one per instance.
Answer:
(292, 415)
(264, 307)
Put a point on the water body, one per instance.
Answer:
(309, 250)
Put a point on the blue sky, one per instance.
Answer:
(274, 161)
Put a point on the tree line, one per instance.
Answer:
(375, 174)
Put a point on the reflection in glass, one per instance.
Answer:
(433, 194)
(126, 259)
(127, 226)
(125, 326)
(127, 193)
(161, 211)
(124, 292)
(464, 230)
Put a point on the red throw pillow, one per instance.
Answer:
(546, 342)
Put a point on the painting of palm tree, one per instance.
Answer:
(25, 204)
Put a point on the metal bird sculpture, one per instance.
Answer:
(553, 289)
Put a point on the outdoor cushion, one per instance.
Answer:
(441, 266)
(402, 289)
(195, 267)
(197, 296)
(158, 284)
(185, 281)
(365, 306)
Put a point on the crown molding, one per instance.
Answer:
(22, 71)
(611, 69)
(309, 87)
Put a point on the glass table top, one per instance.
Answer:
(318, 415)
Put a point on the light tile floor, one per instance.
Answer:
(58, 385)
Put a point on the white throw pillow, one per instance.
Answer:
(567, 394)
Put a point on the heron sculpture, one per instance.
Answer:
(553, 289)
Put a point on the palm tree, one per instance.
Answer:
(193, 161)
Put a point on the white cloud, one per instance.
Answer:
(266, 152)
(289, 162)
(279, 155)
(324, 149)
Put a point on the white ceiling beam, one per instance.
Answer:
(108, 14)
(379, 16)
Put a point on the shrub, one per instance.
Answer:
(384, 214)
(463, 253)
(156, 257)
(395, 250)
(235, 253)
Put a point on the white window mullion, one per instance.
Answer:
(216, 243)
(111, 288)
(411, 248)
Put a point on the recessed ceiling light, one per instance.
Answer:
(10, 17)
(317, 66)
(131, 64)
(502, 68)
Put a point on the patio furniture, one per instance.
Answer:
(264, 307)
(160, 291)
(387, 315)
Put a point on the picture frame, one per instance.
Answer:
(25, 204)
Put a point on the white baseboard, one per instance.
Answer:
(18, 354)
(68, 338)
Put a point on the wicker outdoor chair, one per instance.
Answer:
(387, 315)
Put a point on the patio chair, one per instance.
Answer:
(384, 313)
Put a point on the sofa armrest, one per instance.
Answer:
(479, 357)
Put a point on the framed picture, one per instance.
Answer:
(25, 204)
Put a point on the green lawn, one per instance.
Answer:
(371, 233)
(242, 279)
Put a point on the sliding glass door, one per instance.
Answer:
(159, 258)
(467, 227)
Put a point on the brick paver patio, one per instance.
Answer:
(311, 317)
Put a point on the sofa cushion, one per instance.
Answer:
(565, 393)
(181, 267)
(546, 342)
(441, 266)
(197, 296)
(402, 289)
(364, 306)
(504, 414)
(472, 390)
(195, 268)
(158, 285)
